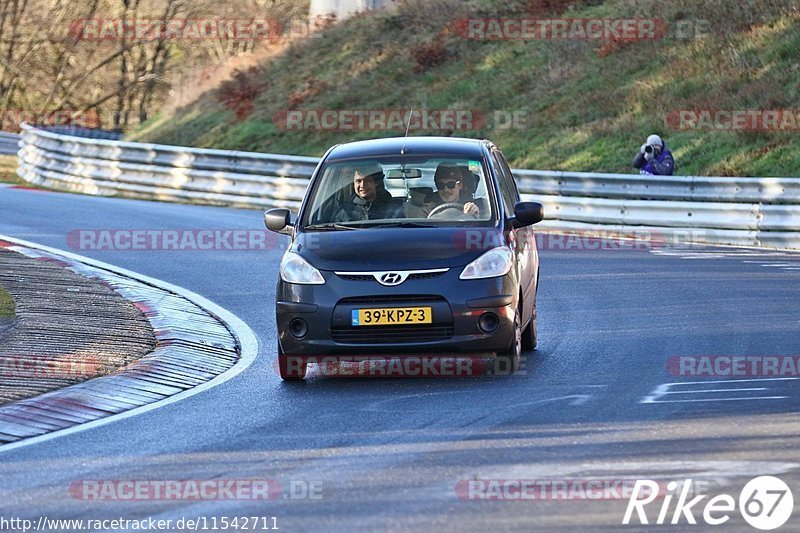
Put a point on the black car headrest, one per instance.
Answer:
(469, 180)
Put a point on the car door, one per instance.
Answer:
(523, 238)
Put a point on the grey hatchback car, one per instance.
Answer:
(415, 245)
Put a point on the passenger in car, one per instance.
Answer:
(453, 185)
(367, 199)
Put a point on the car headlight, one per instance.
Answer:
(494, 263)
(295, 269)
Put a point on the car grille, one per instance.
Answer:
(357, 277)
(370, 277)
(394, 301)
(426, 275)
(391, 334)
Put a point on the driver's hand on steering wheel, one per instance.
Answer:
(471, 208)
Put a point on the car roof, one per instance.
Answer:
(456, 146)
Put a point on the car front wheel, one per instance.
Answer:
(529, 339)
(291, 368)
(508, 362)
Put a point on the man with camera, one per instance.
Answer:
(654, 158)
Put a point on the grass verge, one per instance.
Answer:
(7, 305)
(8, 170)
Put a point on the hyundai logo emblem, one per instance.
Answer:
(391, 278)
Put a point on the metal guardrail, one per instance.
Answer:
(173, 173)
(9, 143)
(760, 211)
(81, 131)
(723, 210)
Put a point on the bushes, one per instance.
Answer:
(429, 55)
(239, 93)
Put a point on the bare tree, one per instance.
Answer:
(52, 59)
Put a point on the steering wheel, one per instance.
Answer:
(449, 205)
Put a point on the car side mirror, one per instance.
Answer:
(528, 213)
(279, 220)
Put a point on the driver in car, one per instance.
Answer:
(368, 199)
(450, 189)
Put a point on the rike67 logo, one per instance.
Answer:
(765, 503)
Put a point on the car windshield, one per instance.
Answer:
(403, 191)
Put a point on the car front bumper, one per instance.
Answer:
(457, 307)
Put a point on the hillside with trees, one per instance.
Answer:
(587, 104)
(105, 62)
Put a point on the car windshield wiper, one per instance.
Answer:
(328, 227)
(404, 224)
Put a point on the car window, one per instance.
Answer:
(509, 177)
(429, 190)
(508, 190)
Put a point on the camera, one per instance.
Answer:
(648, 149)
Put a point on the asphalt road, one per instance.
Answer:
(596, 401)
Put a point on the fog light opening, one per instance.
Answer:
(488, 322)
(298, 328)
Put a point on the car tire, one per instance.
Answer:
(529, 339)
(509, 361)
(291, 369)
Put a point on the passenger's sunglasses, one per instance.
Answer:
(450, 185)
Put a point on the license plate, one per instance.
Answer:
(392, 316)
